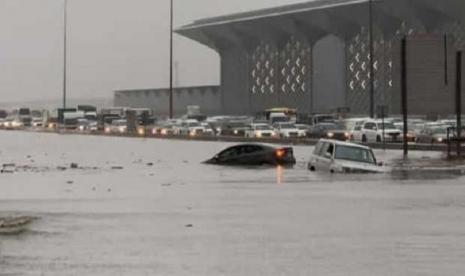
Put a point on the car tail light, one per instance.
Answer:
(280, 153)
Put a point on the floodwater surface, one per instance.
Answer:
(149, 207)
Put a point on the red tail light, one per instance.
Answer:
(280, 153)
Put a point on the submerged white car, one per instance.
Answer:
(341, 157)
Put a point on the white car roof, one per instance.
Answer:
(357, 119)
(340, 143)
(378, 121)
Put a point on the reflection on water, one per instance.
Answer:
(428, 175)
(279, 174)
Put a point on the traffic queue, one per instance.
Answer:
(278, 123)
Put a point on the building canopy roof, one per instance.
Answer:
(270, 12)
(317, 18)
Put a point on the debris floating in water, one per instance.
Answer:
(14, 225)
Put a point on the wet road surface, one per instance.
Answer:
(149, 207)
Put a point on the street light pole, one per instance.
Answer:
(171, 59)
(65, 50)
(372, 76)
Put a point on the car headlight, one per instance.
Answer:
(347, 135)
(164, 131)
(440, 140)
(236, 132)
(259, 134)
(107, 130)
(141, 131)
(330, 134)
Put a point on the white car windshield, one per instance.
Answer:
(193, 124)
(355, 154)
(287, 126)
(262, 127)
(387, 126)
(439, 130)
(120, 123)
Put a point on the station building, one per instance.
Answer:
(318, 56)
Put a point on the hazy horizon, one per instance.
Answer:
(112, 45)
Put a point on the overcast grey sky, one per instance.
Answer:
(113, 44)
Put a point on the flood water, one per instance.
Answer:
(149, 207)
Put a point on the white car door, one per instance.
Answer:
(357, 133)
(370, 130)
(325, 158)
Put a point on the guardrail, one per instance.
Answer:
(235, 139)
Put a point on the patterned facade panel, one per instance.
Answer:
(263, 73)
(263, 70)
(280, 76)
(358, 70)
(295, 74)
(386, 68)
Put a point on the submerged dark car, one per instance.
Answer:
(254, 154)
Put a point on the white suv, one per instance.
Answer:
(372, 131)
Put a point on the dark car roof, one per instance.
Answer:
(252, 144)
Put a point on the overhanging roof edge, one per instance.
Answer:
(272, 14)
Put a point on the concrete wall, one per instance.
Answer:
(329, 89)
(234, 82)
(207, 97)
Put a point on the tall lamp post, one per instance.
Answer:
(171, 59)
(65, 50)
(372, 77)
